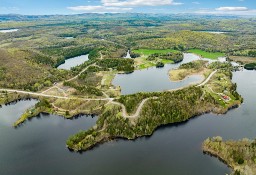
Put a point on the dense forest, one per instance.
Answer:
(44, 42)
(176, 57)
(167, 108)
(239, 155)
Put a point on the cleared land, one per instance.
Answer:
(143, 62)
(204, 54)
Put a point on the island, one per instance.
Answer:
(239, 155)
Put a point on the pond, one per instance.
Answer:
(214, 32)
(73, 62)
(8, 30)
(69, 37)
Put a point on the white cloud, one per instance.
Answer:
(196, 2)
(122, 6)
(249, 12)
(232, 9)
(228, 11)
(9, 9)
(136, 3)
(99, 9)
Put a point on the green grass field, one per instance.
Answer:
(152, 51)
(204, 54)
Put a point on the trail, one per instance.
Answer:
(55, 96)
(75, 77)
(137, 113)
(207, 79)
(107, 98)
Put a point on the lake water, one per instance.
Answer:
(214, 32)
(38, 146)
(73, 62)
(154, 79)
(69, 37)
(8, 30)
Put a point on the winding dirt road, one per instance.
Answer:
(54, 96)
(110, 100)
(207, 79)
(137, 113)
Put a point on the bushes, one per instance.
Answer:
(94, 54)
(193, 65)
(159, 64)
(83, 89)
(126, 65)
(43, 104)
(132, 101)
(250, 66)
(174, 56)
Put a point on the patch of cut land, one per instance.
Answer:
(204, 54)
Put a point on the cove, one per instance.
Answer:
(154, 79)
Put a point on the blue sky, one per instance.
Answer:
(42, 7)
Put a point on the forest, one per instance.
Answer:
(30, 58)
(46, 43)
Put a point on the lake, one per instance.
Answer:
(38, 146)
(8, 30)
(73, 62)
(213, 32)
(154, 79)
(69, 37)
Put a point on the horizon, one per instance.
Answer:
(65, 7)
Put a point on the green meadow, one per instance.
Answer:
(204, 54)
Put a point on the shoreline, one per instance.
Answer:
(111, 138)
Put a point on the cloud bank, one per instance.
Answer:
(232, 9)
(99, 9)
(122, 6)
(229, 11)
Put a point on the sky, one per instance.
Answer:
(49, 7)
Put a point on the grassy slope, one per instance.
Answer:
(204, 54)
